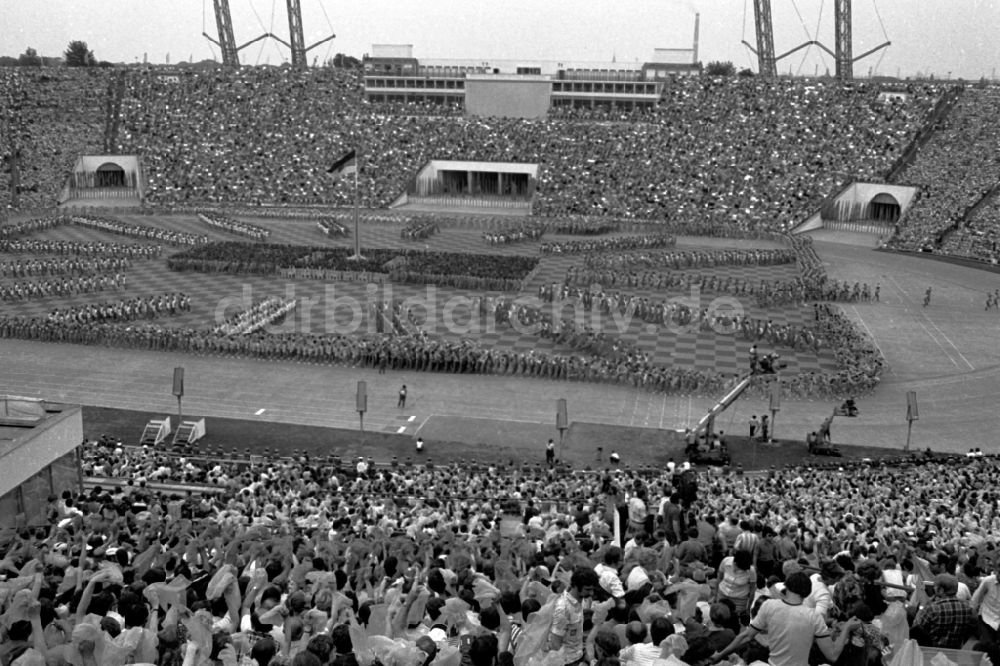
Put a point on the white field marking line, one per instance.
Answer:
(687, 420)
(411, 419)
(938, 343)
(906, 297)
(422, 424)
(870, 334)
(401, 430)
(948, 340)
(663, 409)
(259, 412)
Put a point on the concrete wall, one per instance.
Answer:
(91, 162)
(26, 504)
(432, 168)
(41, 461)
(54, 437)
(812, 223)
(863, 193)
(508, 97)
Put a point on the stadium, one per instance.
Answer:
(497, 361)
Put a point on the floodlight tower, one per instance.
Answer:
(226, 41)
(844, 56)
(297, 42)
(843, 44)
(295, 36)
(766, 62)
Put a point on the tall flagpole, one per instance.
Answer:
(357, 235)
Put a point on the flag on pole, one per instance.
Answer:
(345, 166)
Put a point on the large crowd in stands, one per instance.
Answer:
(740, 152)
(979, 238)
(200, 147)
(304, 562)
(55, 115)
(954, 169)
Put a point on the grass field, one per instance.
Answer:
(444, 312)
(449, 438)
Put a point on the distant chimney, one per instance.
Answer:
(697, 20)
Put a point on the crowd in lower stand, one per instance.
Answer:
(303, 561)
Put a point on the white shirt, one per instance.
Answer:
(609, 580)
(819, 598)
(987, 601)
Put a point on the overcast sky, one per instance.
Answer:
(956, 37)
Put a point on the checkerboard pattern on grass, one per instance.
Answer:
(341, 307)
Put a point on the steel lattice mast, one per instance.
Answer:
(226, 41)
(843, 45)
(766, 63)
(843, 56)
(297, 42)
